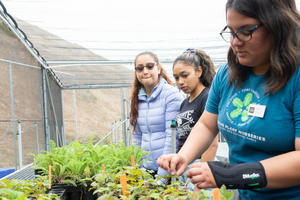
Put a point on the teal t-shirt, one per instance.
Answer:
(254, 138)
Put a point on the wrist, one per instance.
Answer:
(239, 176)
(183, 157)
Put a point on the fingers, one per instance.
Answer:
(164, 161)
(195, 169)
(173, 163)
(201, 175)
(180, 169)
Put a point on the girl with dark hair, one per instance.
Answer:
(254, 101)
(193, 72)
(154, 104)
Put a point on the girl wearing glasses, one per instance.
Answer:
(254, 101)
(154, 104)
(193, 72)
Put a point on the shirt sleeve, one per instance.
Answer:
(296, 106)
(214, 95)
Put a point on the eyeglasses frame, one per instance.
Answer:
(235, 34)
(139, 71)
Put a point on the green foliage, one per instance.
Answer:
(207, 194)
(116, 156)
(226, 194)
(25, 189)
(77, 163)
(142, 186)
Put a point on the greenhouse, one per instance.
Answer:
(149, 100)
(47, 85)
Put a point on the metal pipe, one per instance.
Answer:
(128, 116)
(69, 63)
(45, 111)
(57, 130)
(21, 36)
(121, 135)
(113, 133)
(128, 133)
(64, 140)
(173, 128)
(19, 136)
(37, 137)
(21, 64)
(12, 107)
(57, 135)
(75, 115)
(95, 86)
(124, 117)
(63, 133)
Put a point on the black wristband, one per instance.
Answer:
(239, 176)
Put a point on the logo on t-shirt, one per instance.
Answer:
(184, 122)
(238, 106)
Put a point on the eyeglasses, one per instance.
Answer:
(149, 66)
(243, 35)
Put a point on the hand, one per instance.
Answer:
(174, 163)
(201, 175)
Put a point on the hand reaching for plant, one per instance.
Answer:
(173, 163)
(201, 175)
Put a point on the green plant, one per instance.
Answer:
(78, 163)
(25, 189)
(207, 194)
(142, 186)
(118, 155)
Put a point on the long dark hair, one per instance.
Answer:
(198, 58)
(136, 86)
(282, 20)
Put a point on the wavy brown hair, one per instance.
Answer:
(282, 20)
(198, 58)
(136, 86)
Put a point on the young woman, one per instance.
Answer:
(193, 72)
(254, 102)
(154, 104)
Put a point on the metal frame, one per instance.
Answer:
(18, 163)
(50, 66)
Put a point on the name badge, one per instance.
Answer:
(256, 110)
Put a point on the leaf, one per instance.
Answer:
(237, 102)
(235, 113)
(244, 115)
(248, 99)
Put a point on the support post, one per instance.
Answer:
(121, 131)
(19, 136)
(123, 118)
(12, 107)
(75, 115)
(113, 133)
(173, 128)
(37, 137)
(45, 110)
(63, 133)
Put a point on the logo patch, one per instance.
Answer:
(238, 106)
